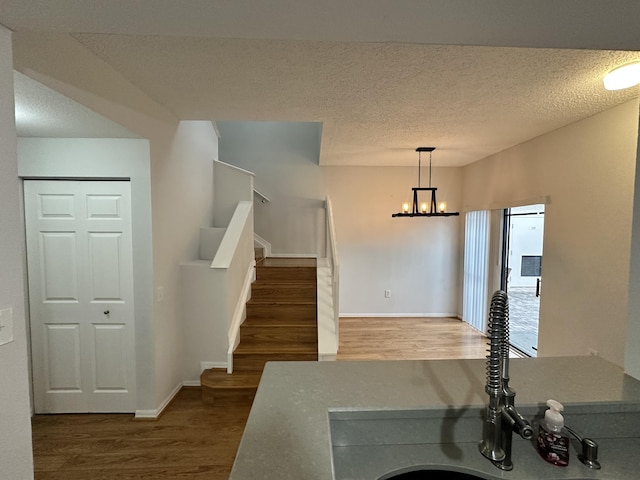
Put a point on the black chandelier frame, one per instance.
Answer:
(432, 203)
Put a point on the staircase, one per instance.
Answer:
(280, 325)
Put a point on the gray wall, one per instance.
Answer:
(284, 158)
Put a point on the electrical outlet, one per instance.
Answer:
(387, 294)
(6, 325)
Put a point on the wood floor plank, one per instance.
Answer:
(190, 440)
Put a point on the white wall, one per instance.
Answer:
(284, 158)
(587, 170)
(15, 422)
(181, 180)
(418, 259)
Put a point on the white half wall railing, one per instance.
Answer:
(328, 287)
(234, 264)
(214, 295)
(334, 263)
(216, 287)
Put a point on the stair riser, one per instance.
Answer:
(266, 310)
(286, 274)
(276, 322)
(214, 396)
(257, 361)
(291, 294)
(276, 335)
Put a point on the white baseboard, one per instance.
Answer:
(191, 383)
(207, 365)
(389, 315)
(294, 255)
(327, 357)
(155, 413)
(263, 243)
(239, 316)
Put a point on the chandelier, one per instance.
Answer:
(428, 207)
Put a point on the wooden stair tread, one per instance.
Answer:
(278, 322)
(270, 309)
(288, 301)
(257, 361)
(220, 379)
(274, 347)
(290, 262)
(285, 282)
(280, 325)
(286, 286)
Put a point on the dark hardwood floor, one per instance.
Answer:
(190, 441)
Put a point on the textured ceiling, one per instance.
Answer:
(377, 100)
(41, 112)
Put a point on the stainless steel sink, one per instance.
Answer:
(430, 474)
(407, 444)
(443, 444)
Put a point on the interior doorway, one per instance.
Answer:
(80, 257)
(522, 273)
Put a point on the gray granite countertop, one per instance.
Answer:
(287, 434)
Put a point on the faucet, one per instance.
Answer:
(501, 418)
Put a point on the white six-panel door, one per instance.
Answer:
(81, 295)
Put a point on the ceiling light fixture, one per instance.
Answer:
(626, 76)
(430, 207)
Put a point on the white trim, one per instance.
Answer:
(215, 129)
(232, 236)
(323, 262)
(294, 255)
(191, 383)
(327, 326)
(238, 314)
(264, 197)
(155, 414)
(390, 315)
(207, 365)
(263, 243)
(327, 357)
(501, 205)
(235, 168)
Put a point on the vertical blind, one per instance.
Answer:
(476, 269)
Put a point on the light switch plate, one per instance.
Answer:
(6, 325)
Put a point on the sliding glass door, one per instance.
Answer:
(522, 273)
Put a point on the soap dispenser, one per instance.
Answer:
(553, 439)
